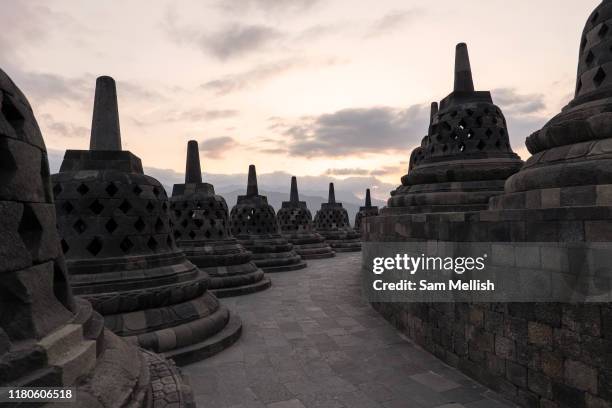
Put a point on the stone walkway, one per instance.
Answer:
(312, 341)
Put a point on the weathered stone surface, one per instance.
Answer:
(254, 224)
(202, 230)
(47, 337)
(118, 239)
(332, 222)
(296, 226)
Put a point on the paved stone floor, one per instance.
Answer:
(312, 341)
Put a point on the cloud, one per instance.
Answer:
(261, 73)
(512, 102)
(233, 40)
(64, 129)
(387, 170)
(266, 6)
(356, 131)
(238, 39)
(216, 147)
(392, 21)
(347, 172)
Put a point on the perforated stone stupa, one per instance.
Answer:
(121, 254)
(333, 223)
(296, 225)
(254, 224)
(202, 230)
(364, 212)
(48, 338)
(466, 156)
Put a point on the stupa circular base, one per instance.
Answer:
(273, 253)
(224, 292)
(344, 240)
(310, 245)
(209, 347)
(285, 268)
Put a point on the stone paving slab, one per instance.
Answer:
(311, 341)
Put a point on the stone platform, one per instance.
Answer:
(312, 341)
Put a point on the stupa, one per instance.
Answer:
(202, 230)
(121, 254)
(332, 221)
(296, 225)
(549, 230)
(254, 224)
(48, 338)
(466, 156)
(364, 212)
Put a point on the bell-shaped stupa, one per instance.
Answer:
(48, 338)
(366, 211)
(255, 225)
(466, 156)
(202, 230)
(296, 225)
(121, 254)
(571, 162)
(332, 221)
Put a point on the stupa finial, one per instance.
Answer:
(433, 111)
(193, 171)
(463, 71)
(332, 195)
(368, 200)
(105, 130)
(294, 196)
(252, 189)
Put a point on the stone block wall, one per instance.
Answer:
(544, 355)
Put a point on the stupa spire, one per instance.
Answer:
(252, 189)
(368, 200)
(463, 71)
(193, 171)
(294, 196)
(332, 195)
(433, 111)
(105, 130)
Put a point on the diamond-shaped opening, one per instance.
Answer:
(12, 115)
(469, 112)
(152, 244)
(57, 189)
(111, 189)
(498, 144)
(111, 225)
(65, 246)
(126, 245)
(177, 234)
(479, 121)
(95, 246)
(30, 230)
(454, 136)
(481, 145)
(207, 234)
(599, 77)
(150, 206)
(470, 134)
(198, 205)
(192, 234)
(139, 224)
(488, 133)
(137, 190)
(184, 223)
(589, 58)
(502, 132)
(461, 147)
(156, 191)
(177, 213)
(82, 189)
(67, 207)
(169, 241)
(125, 206)
(79, 226)
(462, 124)
(595, 17)
(603, 30)
(159, 225)
(444, 148)
(164, 206)
(96, 207)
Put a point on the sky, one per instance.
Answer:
(334, 90)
